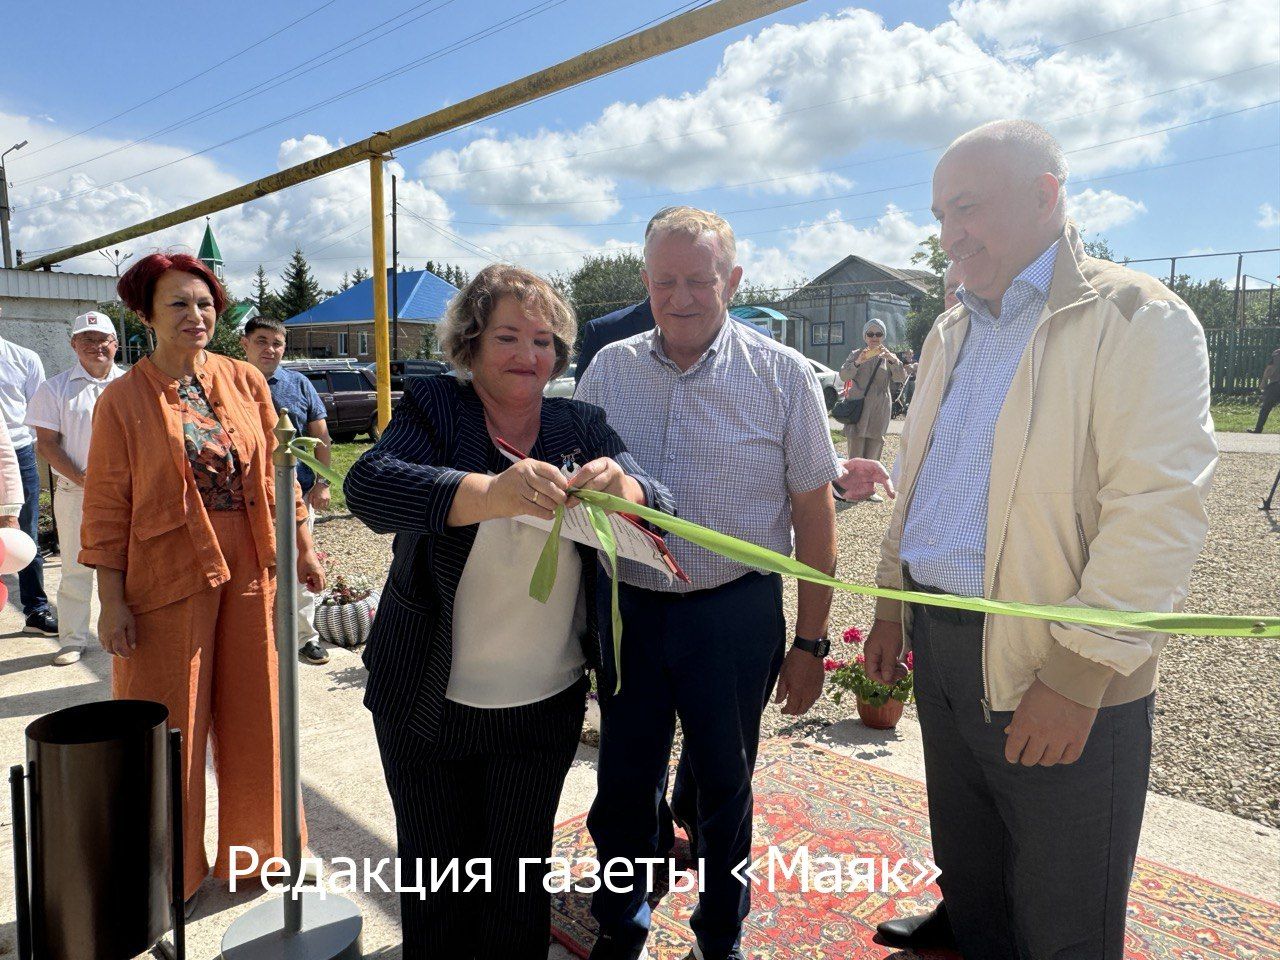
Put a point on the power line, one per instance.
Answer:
(502, 26)
(499, 26)
(838, 220)
(183, 83)
(257, 89)
(900, 186)
(826, 103)
(868, 162)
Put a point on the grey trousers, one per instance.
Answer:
(869, 448)
(1036, 861)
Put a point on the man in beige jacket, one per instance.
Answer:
(1059, 450)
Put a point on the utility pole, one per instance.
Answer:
(4, 206)
(395, 274)
(115, 258)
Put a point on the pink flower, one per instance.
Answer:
(831, 663)
(853, 635)
(911, 660)
(860, 660)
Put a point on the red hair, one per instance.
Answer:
(137, 287)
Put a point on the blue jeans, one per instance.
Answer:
(31, 578)
(712, 658)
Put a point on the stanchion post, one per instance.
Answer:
(21, 884)
(302, 925)
(286, 640)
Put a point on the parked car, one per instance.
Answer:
(830, 380)
(350, 396)
(563, 385)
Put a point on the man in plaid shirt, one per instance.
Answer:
(735, 425)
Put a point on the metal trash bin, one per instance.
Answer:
(103, 800)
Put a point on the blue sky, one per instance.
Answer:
(813, 130)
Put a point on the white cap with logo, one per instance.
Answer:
(93, 322)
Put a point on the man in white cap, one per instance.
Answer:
(61, 413)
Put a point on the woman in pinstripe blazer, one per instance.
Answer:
(477, 691)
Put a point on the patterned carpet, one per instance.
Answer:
(837, 806)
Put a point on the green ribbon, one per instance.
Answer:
(1201, 625)
(598, 504)
(303, 448)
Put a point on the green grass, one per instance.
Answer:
(1238, 415)
(343, 456)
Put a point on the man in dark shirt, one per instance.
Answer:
(611, 328)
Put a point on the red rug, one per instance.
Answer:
(837, 806)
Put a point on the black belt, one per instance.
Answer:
(959, 618)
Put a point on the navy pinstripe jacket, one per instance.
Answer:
(405, 485)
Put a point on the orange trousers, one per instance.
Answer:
(211, 659)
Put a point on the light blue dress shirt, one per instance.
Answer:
(944, 541)
(732, 438)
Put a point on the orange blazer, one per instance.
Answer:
(142, 512)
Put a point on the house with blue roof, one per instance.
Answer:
(342, 326)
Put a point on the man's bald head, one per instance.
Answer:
(997, 192)
(1022, 147)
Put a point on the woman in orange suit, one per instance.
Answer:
(178, 520)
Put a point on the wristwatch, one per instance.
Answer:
(819, 648)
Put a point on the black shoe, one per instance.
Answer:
(312, 652)
(924, 931)
(42, 622)
(1252, 430)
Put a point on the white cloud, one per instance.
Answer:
(769, 104)
(329, 216)
(804, 252)
(1098, 210)
(1268, 216)
(763, 93)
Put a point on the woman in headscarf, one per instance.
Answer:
(870, 373)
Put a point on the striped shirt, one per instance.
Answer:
(731, 438)
(944, 541)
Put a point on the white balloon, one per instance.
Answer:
(19, 550)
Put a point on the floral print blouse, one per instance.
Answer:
(213, 459)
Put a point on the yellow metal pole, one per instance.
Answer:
(679, 31)
(381, 325)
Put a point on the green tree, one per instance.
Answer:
(927, 308)
(1214, 302)
(360, 274)
(268, 303)
(299, 290)
(450, 273)
(133, 336)
(759, 294)
(604, 283)
(1101, 250)
(346, 282)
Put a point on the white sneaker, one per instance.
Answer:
(875, 498)
(68, 655)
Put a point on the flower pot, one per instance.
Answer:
(884, 717)
(347, 624)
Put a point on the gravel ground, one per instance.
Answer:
(1217, 736)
